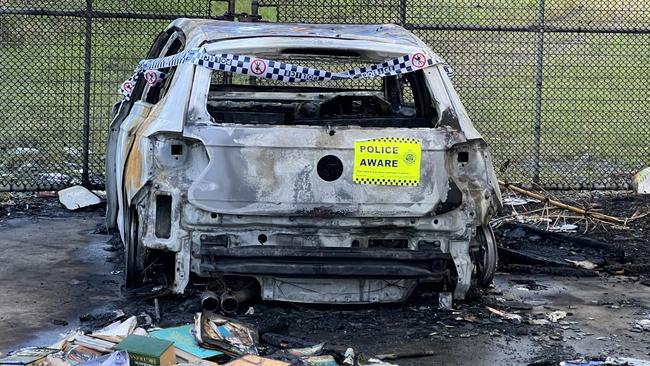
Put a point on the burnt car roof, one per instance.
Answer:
(199, 31)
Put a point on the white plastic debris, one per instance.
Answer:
(565, 228)
(25, 150)
(118, 330)
(52, 178)
(100, 194)
(518, 201)
(444, 301)
(77, 197)
(538, 321)
(641, 181)
(582, 264)
(626, 361)
(141, 332)
(556, 315)
(508, 316)
(306, 351)
(378, 362)
(118, 358)
(643, 324)
(349, 357)
(73, 151)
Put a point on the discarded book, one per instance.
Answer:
(230, 336)
(148, 351)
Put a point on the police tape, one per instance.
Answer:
(281, 71)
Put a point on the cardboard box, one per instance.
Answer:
(148, 351)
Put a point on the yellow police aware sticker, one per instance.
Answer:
(387, 161)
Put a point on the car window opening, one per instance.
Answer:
(393, 101)
(153, 94)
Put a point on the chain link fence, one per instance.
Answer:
(61, 63)
(559, 88)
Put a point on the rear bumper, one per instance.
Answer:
(315, 259)
(305, 262)
(329, 274)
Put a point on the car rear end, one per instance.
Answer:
(323, 192)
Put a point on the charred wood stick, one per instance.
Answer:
(628, 269)
(552, 202)
(156, 310)
(572, 239)
(398, 355)
(556, 271)
(518, 256)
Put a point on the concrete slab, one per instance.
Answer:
(52, 270)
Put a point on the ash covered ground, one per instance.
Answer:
(60, 272)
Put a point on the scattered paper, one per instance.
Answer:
(556, 315)
(117, 331)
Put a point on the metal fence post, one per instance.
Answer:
(402, 12)
(255, 8)
(539, 64)
(232, 9)
(85, 180)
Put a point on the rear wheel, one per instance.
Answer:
(486, 257)
(133, 254)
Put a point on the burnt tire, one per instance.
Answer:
(133, 252)
(486, 257)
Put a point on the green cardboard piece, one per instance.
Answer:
(184, 340)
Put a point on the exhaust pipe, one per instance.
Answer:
(231, 301)
(210, 301)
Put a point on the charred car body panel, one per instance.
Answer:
(227, 183)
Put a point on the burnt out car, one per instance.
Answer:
(243, 155)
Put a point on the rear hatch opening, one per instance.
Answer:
(400, 101)
(364, 147)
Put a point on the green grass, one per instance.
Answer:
(595, 110)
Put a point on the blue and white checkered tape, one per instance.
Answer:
(281, 71)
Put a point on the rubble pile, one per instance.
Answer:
(261, 336)
(570, 235)
(211, 340)
(157, 329)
